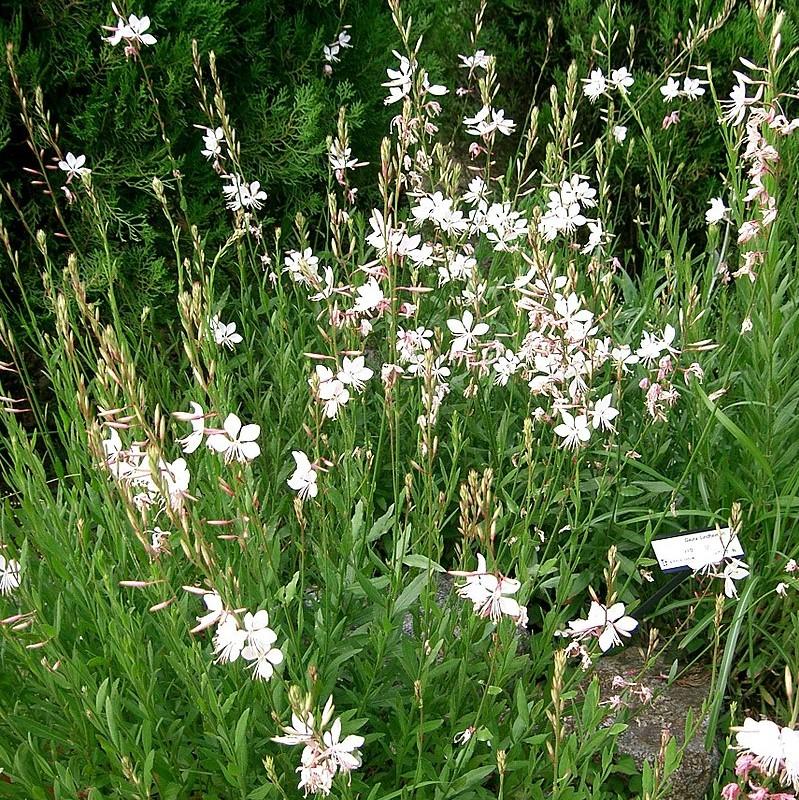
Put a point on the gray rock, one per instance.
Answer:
(668, 710)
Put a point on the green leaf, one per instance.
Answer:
(471, 778)
(422, 562)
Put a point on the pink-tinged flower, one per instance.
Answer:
(608, 625)
(236, 442)
(670, 119)
(744, 764)
(731, 791)
(316, 771)
(490, 593)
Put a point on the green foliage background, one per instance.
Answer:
(284, 107)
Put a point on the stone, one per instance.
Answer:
(667, 710)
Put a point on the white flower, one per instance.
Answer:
(241, 195)
(573, 430)
(595, 85)
(735, 570)
(258, 648)
(9, 575)
(302, 267)
(263, 661)
(331, 52)
(498, 122)
(343, 752)
(670, 90)
(159, 542)
(212, 142)
(717, 211)
(301, 730)
(606, 624)
(479, 59)
(326, 290)
(370, 297)
(133, 31)
(73, 166)
(622, 357)
(236, 442)
(137, 27)
(620, 133)
(176, 476)
(603, 414)
(465, 332)
(433, 88)
(621, 79)
(763, 740)
(330, 390)
(595, 236)
(343, 39)
(399, 80)
(652, 346)
(692, 88)
(224, 334)
(505, 366)
(737, 104)
(303, 480)
(354, 373)
(488, 120)
(229, 641)
(490, 593)
(196, 416)
(477, 191)
(216, 612)
(790, 767)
